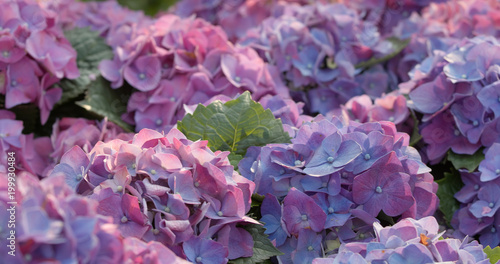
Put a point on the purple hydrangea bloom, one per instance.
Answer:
(166, 188)
(409, 241)
(34, 54)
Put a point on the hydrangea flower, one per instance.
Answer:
(316, 48)
(376, 172)
(408, 241)
(53, 223)
(166, 188)
(452, 98)
(34, 54)
(175, 61)
(478, 214)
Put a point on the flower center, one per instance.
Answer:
(330, 210)
(119, 188)
(493, 230)
(156, 231)
(464, 76)
(13, 83)
(124, 219)
(158, 122)
(6, 53)
(153, 172)
(476, 187)
(167, 209)
(378, 189)
(237, 78)
(198, 259)
(219, 213)
(282, 171)
(367, 156)
(79, 177)
(309, 66)
(298, 162)
(491, 205)
(330, 159)
(310, 248)
(196, 184)
(304, 217)
(142, 76)
(497, 171)
(475, 123)
(134, 166)
(456, 132)
(391, 119)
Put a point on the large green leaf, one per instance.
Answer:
(91, 50)
(470, 162)
(263, 249)
(448, 186)
(233, 126)
(100, 99)
(397, 46)
(493, 254)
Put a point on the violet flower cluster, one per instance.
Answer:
(235, 17)
(39, 155)
(168, 189)
(479, 214)
(387, 14)
(336, 177)
(173, 61)
(316, 48)
(53, 223)
(457, 93)
(438, 27)
(408, 241)
(34, 55)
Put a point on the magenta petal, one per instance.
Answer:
(144, 74)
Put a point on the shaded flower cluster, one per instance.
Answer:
(457, 93)
(31, 153)
(235, 17)
(168, 189)
(336, 177)
(317, 48)
(34, 55)
(408, 241)
(440, 26)
(386, 14)
(39, 155)
(479, 214)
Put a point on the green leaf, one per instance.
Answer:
(234, 159)
(448, 186)
(106, 102)
(91, 50)
(397, 44)
(415, 135)
(493, 254)
(263, 249)
(233, 126)
(463, 161)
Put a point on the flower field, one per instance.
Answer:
(248, 131)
